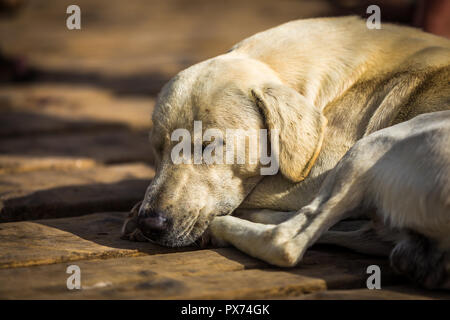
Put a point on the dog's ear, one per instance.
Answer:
(300, 125)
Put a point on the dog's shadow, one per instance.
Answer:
(105, 229)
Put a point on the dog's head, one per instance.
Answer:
(197, 108)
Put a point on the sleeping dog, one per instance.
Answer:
(401, 173)
(321, 85)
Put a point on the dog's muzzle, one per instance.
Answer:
(153, 224)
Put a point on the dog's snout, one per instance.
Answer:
(152, 223)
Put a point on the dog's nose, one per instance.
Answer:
(152, 223)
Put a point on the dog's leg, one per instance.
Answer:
(265, 216)
(285, 244)
(419, 259)
(363, 240)
(282, 245)
(361, 237)
(260, 216)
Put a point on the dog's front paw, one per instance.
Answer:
(130, 229)
(211, 238)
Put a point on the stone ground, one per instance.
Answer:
(74, 158)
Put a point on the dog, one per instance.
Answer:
(322, 84)
(412, 157)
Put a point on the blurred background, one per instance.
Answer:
(146, 42)
(75, 105)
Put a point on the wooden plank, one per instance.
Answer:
(344, 269)
(33, 252)
(204, 274)
(245, 284)
(30, 243)
(35, 255)
(221, 273)
(63, 193)
(53, 109)
(81, 150)
(405, 292)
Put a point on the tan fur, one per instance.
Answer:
(299, 124)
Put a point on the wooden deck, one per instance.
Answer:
(74, 158)
(35, 255)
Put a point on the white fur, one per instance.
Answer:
(403, 171)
